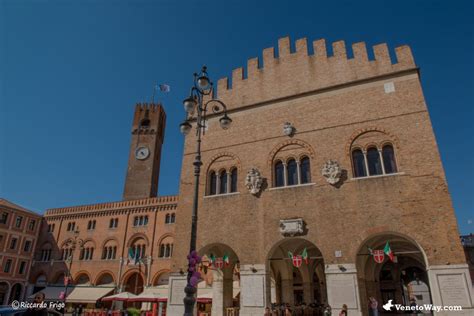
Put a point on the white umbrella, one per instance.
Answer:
(124, 296)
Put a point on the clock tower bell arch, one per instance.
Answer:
(143, 170)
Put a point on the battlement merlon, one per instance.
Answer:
(293, 73)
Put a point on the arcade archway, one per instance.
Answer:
(4, 289)
(401, 280)
(15, 293)
(298, 279)
(134, 283)
(221, 279)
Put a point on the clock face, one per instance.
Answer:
(142, 153)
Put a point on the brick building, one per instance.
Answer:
(467, 242)
(116, 246)
(19, 230)
(343, 160)
(329, 156)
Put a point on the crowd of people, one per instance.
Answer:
(302, 309)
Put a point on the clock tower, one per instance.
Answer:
(148, 131)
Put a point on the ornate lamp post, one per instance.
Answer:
(68, 278)
(195, 103)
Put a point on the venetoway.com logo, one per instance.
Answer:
(420, 308)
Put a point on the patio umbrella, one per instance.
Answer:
(124, 297)
(148, 297)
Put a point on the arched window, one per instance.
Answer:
(233, 180)
(173, 218)
(167, 219)
(358, 162)
(87, 253)
(373, 161)
(223, 182)
(292, 172)
(279, 174)
(305, 170)
(166, 248)
(388, 155)
(212, 183)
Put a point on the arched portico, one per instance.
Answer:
(221, 274)
(134, 282)
(298, 279)
(16, 293)
(4, 291)
(401, 280)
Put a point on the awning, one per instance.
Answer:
(124, 296)
(152, 294)
(88, 294)
(51, 293)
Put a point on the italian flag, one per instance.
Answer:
(212, 259)
(226, 260)
(304, 255)
(388, 251)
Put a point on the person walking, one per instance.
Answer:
(343, 310)
(327, 311)
(373, 306)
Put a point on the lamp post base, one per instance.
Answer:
(189, 300)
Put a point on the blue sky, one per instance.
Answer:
(71, 72)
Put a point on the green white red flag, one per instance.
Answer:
(304, 255)
(226, 260)
(388, 251)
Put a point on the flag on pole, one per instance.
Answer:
(304, 255)
(131, 255)
(212, 259)
(388, 251)
(371, 252)
(226, 260)
(164, 88)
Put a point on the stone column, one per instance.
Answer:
(308, 292)
(177, 283)
(254, 289)
(342, 288)
(287, 294)
(450, 285)
(217, 293)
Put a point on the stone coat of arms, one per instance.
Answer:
(254, 181)
(332, 171)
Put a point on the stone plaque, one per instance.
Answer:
(292, 227)
(177, 291)
(342, 291)
(453, 290)
(253, 290)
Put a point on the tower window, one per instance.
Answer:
(145, 123)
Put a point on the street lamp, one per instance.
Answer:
(72, 243)
(195, 103)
